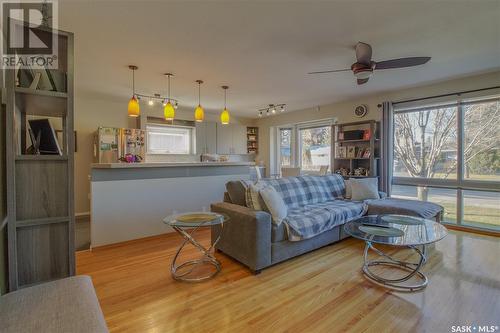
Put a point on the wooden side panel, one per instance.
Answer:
(42, 253)
(41, 189)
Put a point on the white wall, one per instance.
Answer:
(344, 111)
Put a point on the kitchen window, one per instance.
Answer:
(170, 139)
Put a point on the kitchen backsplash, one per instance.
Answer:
(166, 158)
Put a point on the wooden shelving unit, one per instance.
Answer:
(40, 201)
(368, 144)
(252, 140)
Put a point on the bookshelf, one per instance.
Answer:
(40, 201)
(252, 140)
(356, 149)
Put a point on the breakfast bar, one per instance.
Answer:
(130, 200)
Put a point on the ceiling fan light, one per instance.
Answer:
(363, 74)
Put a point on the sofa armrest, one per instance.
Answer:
(246, 236)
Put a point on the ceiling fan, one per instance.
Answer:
(364, 66)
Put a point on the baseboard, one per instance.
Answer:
(472, 230)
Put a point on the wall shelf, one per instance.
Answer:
(366, 129)
(40, 188)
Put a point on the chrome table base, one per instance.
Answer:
(190, 265)
(412, 269)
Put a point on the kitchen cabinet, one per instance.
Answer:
(206, 138)
(231, 139)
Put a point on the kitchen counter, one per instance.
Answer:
(167, 165)
(130, 200)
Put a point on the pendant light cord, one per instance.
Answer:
(133, 82)
(225, 107)
(199, 93)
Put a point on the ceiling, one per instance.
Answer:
(263, 50)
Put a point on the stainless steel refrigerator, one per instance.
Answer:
(112, 145)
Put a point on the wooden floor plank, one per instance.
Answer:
(322, 291)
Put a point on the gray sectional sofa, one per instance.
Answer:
(317, 212)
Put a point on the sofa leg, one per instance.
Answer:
(256, 271)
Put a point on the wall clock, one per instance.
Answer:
(361, 110)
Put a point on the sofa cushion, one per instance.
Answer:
(427, 210)
(236, 191)
(310, 220)
(335, 186)
(253, 198)
(315, 188)
(364, 189)
(274, 203)
(291, 190)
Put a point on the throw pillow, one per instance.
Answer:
(253, 198)
(275, 204)
(363, 189)
(348, 189)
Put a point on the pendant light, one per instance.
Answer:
(224, 116)
(168, 110)
(133, 104)
(199, 114)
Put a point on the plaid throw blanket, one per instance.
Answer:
(314, 205)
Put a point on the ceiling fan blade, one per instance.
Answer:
(332, 71)
(364, 53)
(402, 62)
(362, 81)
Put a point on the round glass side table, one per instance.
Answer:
(399, 231)
(186, 225)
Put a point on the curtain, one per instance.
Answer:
(387, 147)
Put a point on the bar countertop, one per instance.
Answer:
(167, 165)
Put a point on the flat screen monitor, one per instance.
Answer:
(43, 135)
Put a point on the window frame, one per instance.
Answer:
(460, 184)
(192, 139)
(295, 161)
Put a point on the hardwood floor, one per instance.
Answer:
(322, 291)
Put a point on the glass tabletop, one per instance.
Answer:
(397, 230)
(195, 219)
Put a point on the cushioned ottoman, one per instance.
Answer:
(68, 305)
(427, 210)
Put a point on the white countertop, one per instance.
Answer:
(168, 165)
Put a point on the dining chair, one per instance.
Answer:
(323, 170)
(257, 172)
(290, 172)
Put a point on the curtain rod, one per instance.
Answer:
(443, 95)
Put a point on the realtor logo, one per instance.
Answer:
(27, 33)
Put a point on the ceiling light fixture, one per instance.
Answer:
(133, 104)
(224, 116)
(199, 114)
(168, 110)
(271, 109)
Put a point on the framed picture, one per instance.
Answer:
(342, 152)
(367, 134)
(351, 152)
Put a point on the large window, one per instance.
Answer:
(304, 145)
(169, 139)
(315, 145)
(285, 147)
(449, 154)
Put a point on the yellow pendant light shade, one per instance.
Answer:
(224, 116)
(199, 114)
(133, 104)
(169, 111)
(133, 107)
